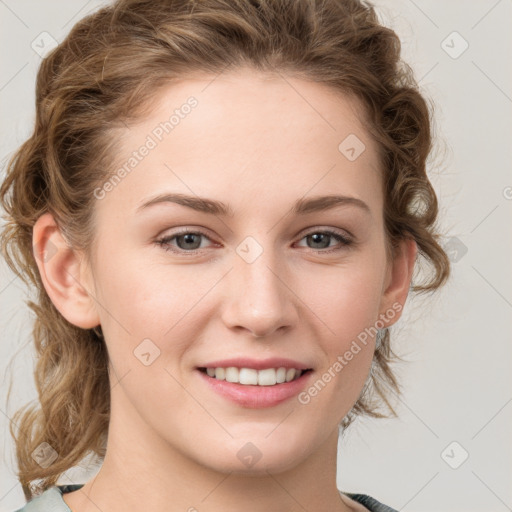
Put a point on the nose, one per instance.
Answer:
(260, 297)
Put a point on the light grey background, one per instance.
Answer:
(458, 381)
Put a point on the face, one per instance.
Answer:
(269, 279)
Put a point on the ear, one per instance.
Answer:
(63, 274)
(398, 280)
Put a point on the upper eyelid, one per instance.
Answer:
(338, 231)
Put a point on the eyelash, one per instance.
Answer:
(164, 241)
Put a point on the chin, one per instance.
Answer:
(258, 456)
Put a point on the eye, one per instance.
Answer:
(188, 241)
(321, 240)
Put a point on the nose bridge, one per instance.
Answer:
(259, 299)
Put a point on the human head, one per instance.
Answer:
(106, 73)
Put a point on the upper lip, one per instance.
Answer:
(261, 364)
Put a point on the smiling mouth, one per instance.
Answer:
(252, 377)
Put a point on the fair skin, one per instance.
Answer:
(257, 145)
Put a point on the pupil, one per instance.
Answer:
(189, 238)
(315, 237)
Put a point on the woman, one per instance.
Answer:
(286, 143)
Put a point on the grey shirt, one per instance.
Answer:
(51, 500)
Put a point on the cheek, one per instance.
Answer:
(348, 307)
(146, 298)
(346, 298)
(140, 301)
(347, 301)
(141, 294)
(159, 301)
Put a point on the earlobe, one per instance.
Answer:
(61, 272)
(399, 278)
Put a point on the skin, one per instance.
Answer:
(258, 143)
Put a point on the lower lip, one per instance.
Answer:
(256, 397)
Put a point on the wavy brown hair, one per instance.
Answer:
(105, 73)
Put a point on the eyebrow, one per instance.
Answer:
(211, 206)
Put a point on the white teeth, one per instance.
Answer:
(290, 374)
(250, 376)
(267, 377)
(231, 374)
(280, 375)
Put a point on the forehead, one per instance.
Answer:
(245, 132)
(246, 96)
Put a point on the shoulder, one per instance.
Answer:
(50, 500)
(368, 502)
